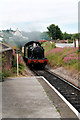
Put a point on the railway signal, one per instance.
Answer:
(17, 51)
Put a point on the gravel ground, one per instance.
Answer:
(68, 75)
(62, 72)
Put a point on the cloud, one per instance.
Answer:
(39, 13)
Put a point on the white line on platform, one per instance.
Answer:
(62, 97)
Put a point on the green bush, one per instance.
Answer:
(67, 57)
(70, 41)
(14, 64)
(53, 45)
(14, 70)
(6, 74)
(21, 68)
(48, 46)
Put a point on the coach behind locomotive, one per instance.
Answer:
(34, 54)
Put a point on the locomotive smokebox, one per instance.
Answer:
(38, 52)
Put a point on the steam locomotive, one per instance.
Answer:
(34, 54)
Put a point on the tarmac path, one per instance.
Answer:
(25, 98)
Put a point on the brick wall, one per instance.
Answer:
(7, 60)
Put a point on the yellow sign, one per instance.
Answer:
(14, 47)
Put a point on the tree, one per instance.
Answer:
(44, 36)
(74, 37)
(67, 36)
(54, 32)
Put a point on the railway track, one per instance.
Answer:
(69, 91)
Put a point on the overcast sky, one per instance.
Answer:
(37, 15)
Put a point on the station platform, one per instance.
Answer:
(25, 98)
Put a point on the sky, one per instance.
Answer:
(37, 15)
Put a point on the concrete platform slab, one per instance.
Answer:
(25, 98)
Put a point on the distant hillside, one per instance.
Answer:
(34, 36)
(13, 38)
(19, 38)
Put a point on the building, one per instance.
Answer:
(62, 41)
(5, 58)
(17, 33)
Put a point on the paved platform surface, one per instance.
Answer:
(26, 98)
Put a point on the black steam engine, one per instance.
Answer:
(34, 54)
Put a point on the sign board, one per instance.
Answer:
(17, 51)
(15, 47)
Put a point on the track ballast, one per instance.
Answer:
(69, 91)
